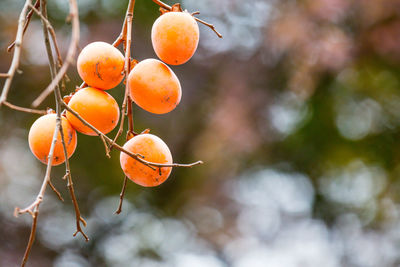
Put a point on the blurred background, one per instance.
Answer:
(295, 112)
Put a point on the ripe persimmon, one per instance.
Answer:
(153, 149)
(101, 65)
(41, 136)
(154, 87)
(95, 106)
(175, 36)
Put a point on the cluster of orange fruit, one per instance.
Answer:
(152, 85)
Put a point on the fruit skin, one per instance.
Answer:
(95, 106)
(154, 87)
(101, 65)
(175, 36)
(41, 135)
(154, 150)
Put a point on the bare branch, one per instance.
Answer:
(211, 26)
(56, 191)
(138, 157)
(126, 34)
(28, 19)
(121, 196)
(27, 110)
(33, 209)
(106, 146)
(57, 95)
(163, 5)
(31, 238)
(17, 53)
(73, 15)
(51, 31)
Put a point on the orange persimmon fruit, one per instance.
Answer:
(41, 136)
(153, 149)
(175, 36)
(96, 107)
(101, 65)
(154, 87)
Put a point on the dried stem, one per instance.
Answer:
(17, 53)
(57, 94)
(50, 29)
(31, 238)
(138, 157)
(27, 110)
(56, 191)
(211, 26)
(33, 209)
(26, 24)
(121, 196)
(130, 119)
(169, 8)
(126, 36)
(121, 124)
(73, 15)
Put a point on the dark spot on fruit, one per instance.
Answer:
(97, 70)
(69, 137)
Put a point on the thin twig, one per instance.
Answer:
(106, 146)
(121, 196)
(31, 238)
(73, 15)
(163, 5)
(79, 219)
(121, 124)
(138, 157)
(33, 209)
(127, 99)
(28, 19)
(17, 53)
(56, 191)
(27, 110)
(52, 33)
(211, 26)
(126, 34)
(57, 95)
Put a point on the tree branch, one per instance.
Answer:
(26, 24)
(31, 238)
(138, 157)
(27, 110)
(57, 94)
(121, 196)
(17, 53)
(73, 15)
